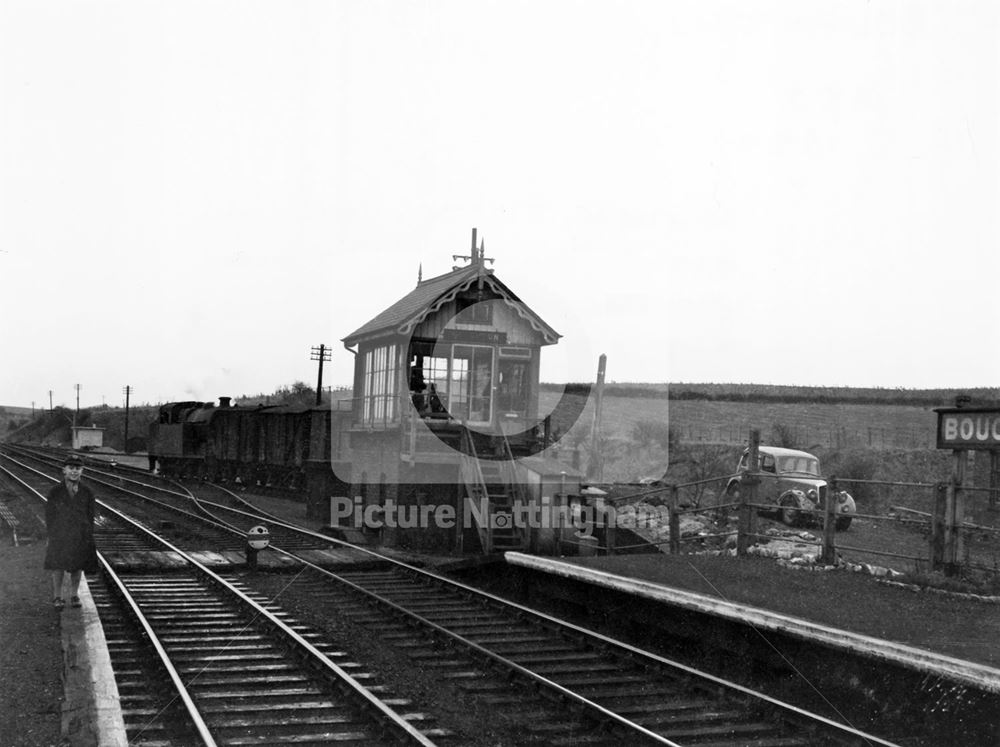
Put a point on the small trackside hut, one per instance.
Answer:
(445, 402)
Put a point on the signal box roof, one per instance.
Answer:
(431, 294)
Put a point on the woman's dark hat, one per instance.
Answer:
(73, 460)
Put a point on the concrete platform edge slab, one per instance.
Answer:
(957, 670)
(91, 713)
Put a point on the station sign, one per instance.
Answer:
(968, 428)
(483, 337)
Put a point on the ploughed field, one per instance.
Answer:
(811, 425)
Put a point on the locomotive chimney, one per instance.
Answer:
(224, 401)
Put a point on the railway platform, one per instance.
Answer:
(879, 650)
(91, 712)
(58, 684)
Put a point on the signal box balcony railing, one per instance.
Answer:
(384, 411)
(430, 434)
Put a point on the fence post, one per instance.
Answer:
(560, 511)
(674, 523)
(938, 513)
(610, 525)
(829, 555)
(994, 478)
(949, 528)
(955, 517)
(748, 494)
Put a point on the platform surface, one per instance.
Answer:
(964, 671)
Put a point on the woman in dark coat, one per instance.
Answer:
(69, 517)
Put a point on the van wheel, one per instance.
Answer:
(789, 510)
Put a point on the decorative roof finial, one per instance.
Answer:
(420, 273)
(476, 257)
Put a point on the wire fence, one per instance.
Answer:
(936, 537)
(827, 436)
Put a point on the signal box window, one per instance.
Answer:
(379, 386)
(471, 385)
(512, 388)
(470, 311)
(435, 373)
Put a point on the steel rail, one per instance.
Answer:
(202, 728)
(154, 501)
(465, 642)
(393, 719)
(546, 620)
(182, 692)
(400, 725)
(182, 492)
(247, 504)
(549, 621)
(628, 649)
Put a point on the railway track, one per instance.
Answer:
(198, 661)
(593, 689)
(251, 675)
(630, 692)
(170, 505)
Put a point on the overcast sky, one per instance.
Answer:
(195, 193)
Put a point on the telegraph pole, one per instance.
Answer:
(50, 401)
(595, 467)
(77, 413)
(319, 353)
(127, 390)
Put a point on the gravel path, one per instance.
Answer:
(30, 650)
